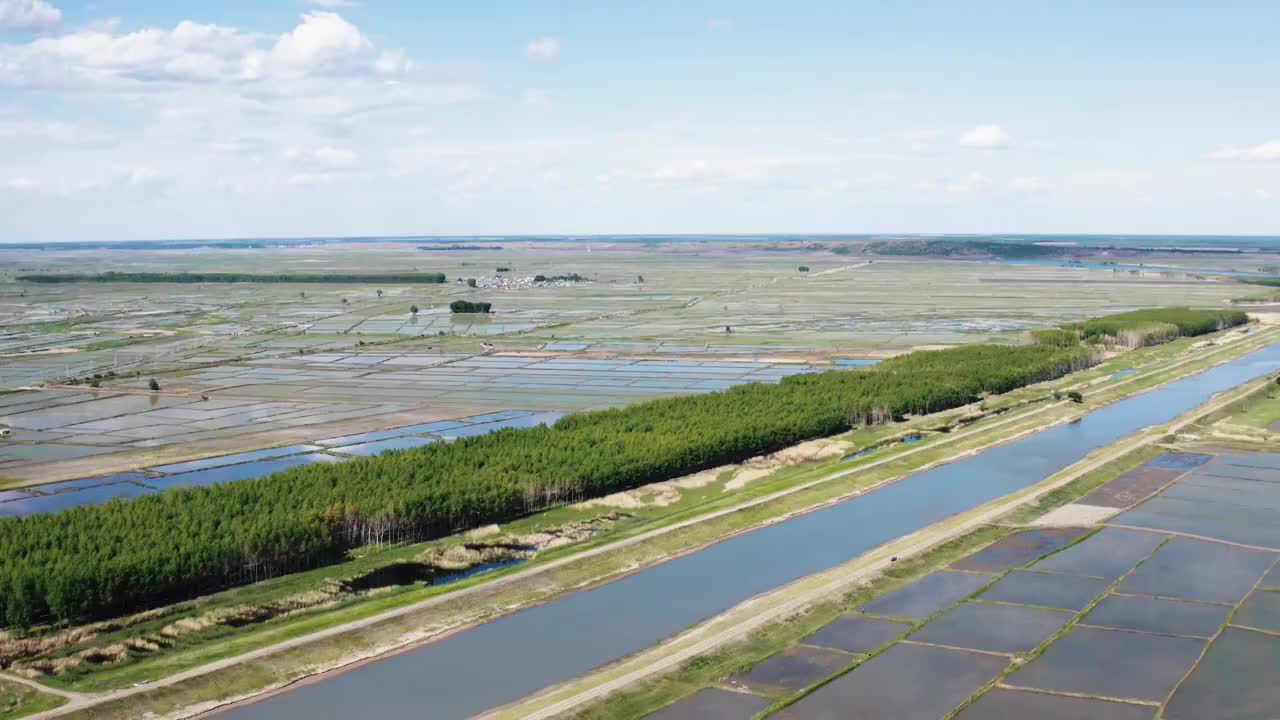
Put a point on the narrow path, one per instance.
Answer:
(832, 271)
(84, 700)
(68, 694)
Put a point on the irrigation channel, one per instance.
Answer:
(513, 656)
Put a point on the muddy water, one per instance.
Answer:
(513, 656)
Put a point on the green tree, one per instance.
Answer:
(154, 385)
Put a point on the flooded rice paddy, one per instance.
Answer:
(52, 497)
(285, 397)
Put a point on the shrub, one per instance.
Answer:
(466, 306)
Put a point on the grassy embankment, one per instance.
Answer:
(293, 663)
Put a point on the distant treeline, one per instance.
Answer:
(1267, 281)
(101, 560)
(185, 277)
(958, 248)
(571, 277)
(466, 306)
(459, 247)
(1141, 327)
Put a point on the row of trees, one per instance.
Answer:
(97, 561)
(187, 277)
(466, 306)
(1142, 327)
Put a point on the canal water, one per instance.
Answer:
(506, 659)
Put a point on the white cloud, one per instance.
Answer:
(104, 59)
(537, 97)
(28, 15)
(1266, 152)
(543, 48)
(322, 39)
(986, 137)
(394, 62)
(333, 3)
(719, 23)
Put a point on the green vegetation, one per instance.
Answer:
(1141, 327)
(1056, 337)
(804, 268)
(187, 277)
(153, 385)
(18, 700)
(94, 561)
(1266, 281)
(956, 248)
(466, 306)
(439, 248)
(1151, 327)
(571, 277)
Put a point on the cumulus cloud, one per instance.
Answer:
(985, 137)
(322, 43)
(543, 48)
(1266, 152)
(28, 15)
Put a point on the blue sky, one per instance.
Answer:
(139, 119)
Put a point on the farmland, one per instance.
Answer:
(122, 390)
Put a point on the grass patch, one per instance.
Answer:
(18, 700)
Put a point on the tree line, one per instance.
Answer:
(187, 277)
(1139, 328)
(466, 306)
(98, 561)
